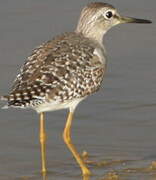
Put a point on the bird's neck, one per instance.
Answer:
(91, 32)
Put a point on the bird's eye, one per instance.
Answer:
(108, 14)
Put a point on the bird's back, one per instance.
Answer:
(65, 68)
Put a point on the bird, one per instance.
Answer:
(65, 70)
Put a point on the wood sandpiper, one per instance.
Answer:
(62, 72)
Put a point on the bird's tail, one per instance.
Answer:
(4, 98)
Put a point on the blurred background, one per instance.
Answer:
(117, 125)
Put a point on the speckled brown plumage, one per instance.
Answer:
(59, 70)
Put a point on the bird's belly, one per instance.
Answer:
(54, 105)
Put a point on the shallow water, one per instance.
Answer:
(116, 126)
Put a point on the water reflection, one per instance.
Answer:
(115, 172)
(45, 177)
(86, 178)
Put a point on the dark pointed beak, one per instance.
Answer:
(133, 20)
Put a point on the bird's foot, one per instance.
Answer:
(85, 157)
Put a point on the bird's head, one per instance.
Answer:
(97, 18)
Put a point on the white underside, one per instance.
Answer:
(54, 105)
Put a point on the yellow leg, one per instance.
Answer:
(67, 139)
(43, 142)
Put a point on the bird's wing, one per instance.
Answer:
(61, 69)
